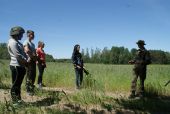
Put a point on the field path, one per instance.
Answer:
(73, 90)
(5, 94)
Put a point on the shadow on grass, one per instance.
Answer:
(77, 109)
(52, 97)
(146, 104)
(64, 111)
(74, 108)
(44, 102)
(155, 101)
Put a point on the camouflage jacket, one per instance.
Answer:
(142, 58)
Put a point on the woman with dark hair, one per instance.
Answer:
(78, 65)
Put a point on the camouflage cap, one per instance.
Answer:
(30, 31)
(16, 30)
(142, 42)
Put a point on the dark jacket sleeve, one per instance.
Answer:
(82, 62)
(74, 61)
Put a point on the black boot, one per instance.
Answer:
(132, 95)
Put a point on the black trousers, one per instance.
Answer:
(41, 71)
(31, 75)
(17, 78)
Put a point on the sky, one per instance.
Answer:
(91, 23)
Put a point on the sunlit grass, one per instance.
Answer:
(108, 77)
(103, 79)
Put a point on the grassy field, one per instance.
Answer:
(107, 77)
(100, 88)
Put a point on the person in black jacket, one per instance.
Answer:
(78, 65)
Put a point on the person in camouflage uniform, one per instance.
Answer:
(140, 62)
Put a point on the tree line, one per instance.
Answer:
(4, 53)
(115, 55)
(121, 55)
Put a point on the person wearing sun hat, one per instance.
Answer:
(141, 42)
(141, 60)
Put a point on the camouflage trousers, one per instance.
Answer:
(30, 77)
(141, 74)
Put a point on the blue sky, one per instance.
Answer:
(91, 23)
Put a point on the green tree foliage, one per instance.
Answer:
(121, 55)
(105, 56)
(115, 55)
(96, 57)
(159, 56)
(86, 55)
(4, 51)
(133, 52)
(49, 58)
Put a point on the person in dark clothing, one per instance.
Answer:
(17, 64)
(41, 62)
(78, 65)
(17, 78)
(141, 60)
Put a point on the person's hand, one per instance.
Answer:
(78, 67)
(29, 60)
(34, 54)
(44, 65)
(131, 62)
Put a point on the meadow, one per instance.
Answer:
(107, 88)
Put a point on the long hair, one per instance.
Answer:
(75, 52)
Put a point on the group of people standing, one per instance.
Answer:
(140, 61)
(24, 58)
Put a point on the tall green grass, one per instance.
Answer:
(106, 77)
(103, 78)
(5, 77)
